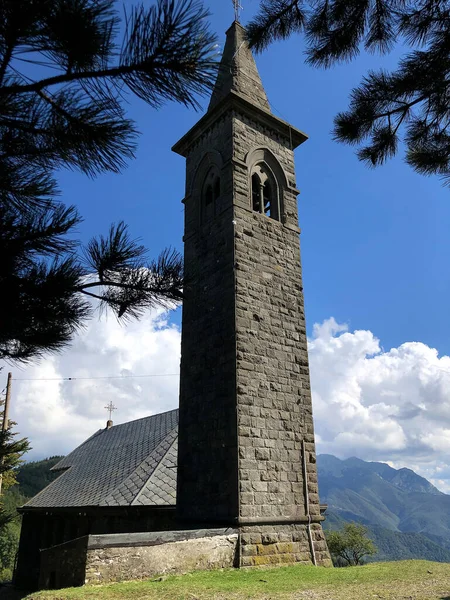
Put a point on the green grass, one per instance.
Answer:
(404, 580)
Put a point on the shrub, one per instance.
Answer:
(350, 545)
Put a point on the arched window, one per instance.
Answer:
(265, 197)
(256, 192)
(216, 191)
(211, 192)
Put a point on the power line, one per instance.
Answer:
(92, 378)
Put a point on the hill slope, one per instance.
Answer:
(33, 477)
(418, 580)
(387, 500)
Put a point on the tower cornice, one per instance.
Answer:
(235, 100)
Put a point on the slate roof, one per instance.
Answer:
(133, 464)
(238, 71)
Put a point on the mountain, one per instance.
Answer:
(403, 479)
(33, 477)
(407, 516)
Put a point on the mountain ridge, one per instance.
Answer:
(388, 501)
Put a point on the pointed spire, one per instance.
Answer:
(238, 72)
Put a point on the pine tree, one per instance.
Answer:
(64, 76)
(12, 451)
(413, 99)
(47, 279)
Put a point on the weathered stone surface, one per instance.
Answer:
(283, 544)
(238, 71)
(109, 564)
(246, 437)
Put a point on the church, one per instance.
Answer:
(230, 478)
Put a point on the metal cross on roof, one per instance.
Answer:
(237, 9)
(110, 408)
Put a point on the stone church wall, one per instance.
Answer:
(106, 558)
(277, 470)
(112, 562)
(275, 545)
(46, 529)
(207, 455)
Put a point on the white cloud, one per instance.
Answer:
(381, 405)
(375, 404)
(58, 415)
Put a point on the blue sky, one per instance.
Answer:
(375, 243)
(375, 252)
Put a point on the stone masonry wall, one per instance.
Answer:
(207, 456)
(282, 544)
(273, 387)
(111, 564)
(247, 451)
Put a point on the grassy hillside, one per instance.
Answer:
(408, 580)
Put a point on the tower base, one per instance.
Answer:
(107, 558)
(283, 544)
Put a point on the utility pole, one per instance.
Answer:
(5, 417)
(7, 399)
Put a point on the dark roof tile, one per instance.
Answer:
(114, 465)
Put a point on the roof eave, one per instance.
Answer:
(94, 507)
(236, 100)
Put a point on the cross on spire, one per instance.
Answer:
(110, 407)
(237, 9)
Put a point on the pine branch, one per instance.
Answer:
(63, 78)
(172, 50)
(113, 253)
(168, 54)
(5, 61)
(171, 291)
(40, 234)
(126, 283)
(73, 117)
(23, 186)
(382, 27)
(346, 22)
(383, 104)
(277, 19)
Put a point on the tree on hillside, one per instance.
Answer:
(66, 67)
(413, 99)
(11, 453)
(350, 545)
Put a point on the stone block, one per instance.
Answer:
(249, 550)
(269, 538)
(285, 547)
(266, 559)
(262, 454)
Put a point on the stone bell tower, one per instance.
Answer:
(246, 440)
